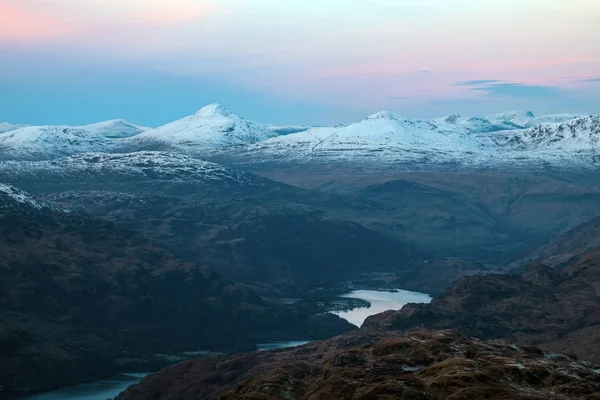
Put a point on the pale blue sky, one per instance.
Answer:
(295, 61)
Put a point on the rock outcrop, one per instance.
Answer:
(427, 365)
(555, 309)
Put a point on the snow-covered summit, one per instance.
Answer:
(519, 118)
(7, 127)
(577, 135)
(41, 142)
(116, 128)
(473, 124)
(384, 135)
(551, 119)
(210, 128)
(213, 110)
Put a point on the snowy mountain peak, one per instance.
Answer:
(213, 110)
(43, 142)
(115, 128)
(451, 119)
(387, 115)
(210, 128)
(576, 137)
(519, 118)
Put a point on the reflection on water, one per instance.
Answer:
(100, 390)
(380, 302)
(279, 345)
(109, 389)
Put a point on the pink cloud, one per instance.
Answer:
(172, 15)
(97, 22)
(20, 23)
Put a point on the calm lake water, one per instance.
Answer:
(380, 302)
(100, 390)
(108, 389)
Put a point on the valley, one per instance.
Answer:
(124, 248)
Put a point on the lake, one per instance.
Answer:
(100, 390)
(380, 301)
(108, 389)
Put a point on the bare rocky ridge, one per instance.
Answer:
(428, 365)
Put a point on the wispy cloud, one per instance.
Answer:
(517, 90)
(589, 80)
(477, 82)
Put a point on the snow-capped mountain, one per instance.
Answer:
(41, 142)
(519, 119)
(386, 139)
(116, 128)
(382, 139)
(7, 127)
(49, 141)
(383, 135)
(576, 136)
(551, 119)
(527, 119)
(475, 124)
(210, 128)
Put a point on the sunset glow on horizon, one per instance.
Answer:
(295, 61)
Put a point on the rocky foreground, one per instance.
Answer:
(423, 365)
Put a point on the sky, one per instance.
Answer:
(295, 61)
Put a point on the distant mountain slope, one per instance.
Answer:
(517, 118)
(384, 136)
(475, 124)
(551, 119)
(211, 128)
(116, 128)
(574, 136)
(527, 119)
(6, 127)
(43, 142)
(565, 248)
(79, 293)
(387, 141)
(47, 142)
(246, 227)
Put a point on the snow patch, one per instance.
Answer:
(20, 196)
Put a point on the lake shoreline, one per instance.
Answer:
(356, 304)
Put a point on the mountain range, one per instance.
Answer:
(448, 181)
(383, 139)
